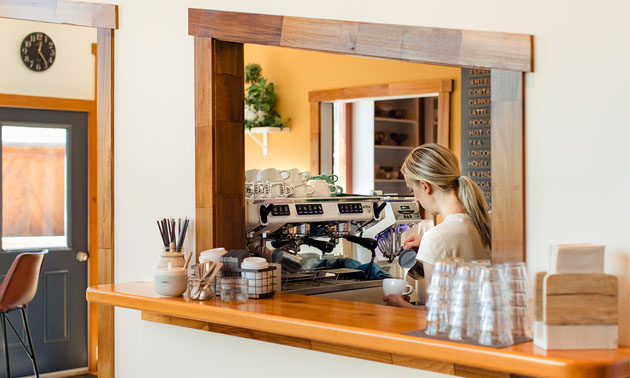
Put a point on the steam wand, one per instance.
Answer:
(366, 243)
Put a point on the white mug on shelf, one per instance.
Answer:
(296, 177)
(322, 188)
(303, 191)
(251, 174)
(272, 175)
(396, 286)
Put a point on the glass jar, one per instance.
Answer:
(234, 290)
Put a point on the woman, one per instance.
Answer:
(432, 173)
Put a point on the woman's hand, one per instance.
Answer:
(397, 300)
(413, 242)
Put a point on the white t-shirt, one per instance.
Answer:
(456, 236)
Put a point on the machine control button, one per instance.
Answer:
(349, 208)
(303, 209)
(281, 210)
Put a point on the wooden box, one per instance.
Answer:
(576, 311)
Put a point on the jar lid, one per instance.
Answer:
(254, 263)
(214, 252)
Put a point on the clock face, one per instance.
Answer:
(38, 51)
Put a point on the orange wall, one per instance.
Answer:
(297, 72)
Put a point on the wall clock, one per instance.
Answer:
(38, 51)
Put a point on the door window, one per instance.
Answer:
(34, 187)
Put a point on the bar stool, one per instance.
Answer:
(16, 291)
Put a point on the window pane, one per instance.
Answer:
(33, 187)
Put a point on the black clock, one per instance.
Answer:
(38, 51)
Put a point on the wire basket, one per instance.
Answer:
(260, 282)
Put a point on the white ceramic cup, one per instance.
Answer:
(322, 188)
(295, 177)
(251, 174)
(303, 191)
(396, 286)
(272, 175)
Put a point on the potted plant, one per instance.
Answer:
(260, 100)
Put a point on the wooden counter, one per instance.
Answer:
(359, 330)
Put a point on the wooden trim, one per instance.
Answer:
(442, 88)
(62, 12)
(93, 215)
(104, 17)
(444, 119)
(346, 155)
(315, 122)
(382, 90)
(463, 48)
(105, 197)
(89, 107)
(54, 103)
(508, 167)
(219, 144)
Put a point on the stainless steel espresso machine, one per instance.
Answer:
(288, 223)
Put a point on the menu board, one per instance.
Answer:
(476, 151)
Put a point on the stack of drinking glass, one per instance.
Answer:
(462, 314)
(495, 325)
(438, 296)
(478, 302)
(515, 274)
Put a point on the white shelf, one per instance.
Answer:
(395, 120)
(265, 131)
(389, 180)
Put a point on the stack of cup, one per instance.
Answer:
(519, 295)
(215, 255)
(462, 309)
(495, 328)
(438, 300)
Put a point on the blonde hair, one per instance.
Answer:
(438, 166)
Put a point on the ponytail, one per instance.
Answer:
(473, 200)
(438, 165)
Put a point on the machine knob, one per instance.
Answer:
(378, 209)
(264, 212)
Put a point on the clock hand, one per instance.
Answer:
(39, 51)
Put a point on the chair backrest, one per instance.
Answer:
(20, 284)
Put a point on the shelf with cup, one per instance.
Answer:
(265, 131)
(393, 147)
(395, 120)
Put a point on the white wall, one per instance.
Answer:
(70, 76)
(578, 175)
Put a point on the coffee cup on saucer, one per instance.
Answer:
(396, 286)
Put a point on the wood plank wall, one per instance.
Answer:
(219, 144)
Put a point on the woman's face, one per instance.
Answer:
(420, 192)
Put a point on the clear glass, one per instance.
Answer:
(234, 290)
(34, 187)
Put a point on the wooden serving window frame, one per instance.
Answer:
(219, 138)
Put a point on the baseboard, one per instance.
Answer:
(62, 373)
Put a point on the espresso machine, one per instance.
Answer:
(285, 224)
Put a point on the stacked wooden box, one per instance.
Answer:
(576, 303)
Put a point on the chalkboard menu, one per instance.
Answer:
(476, 128)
